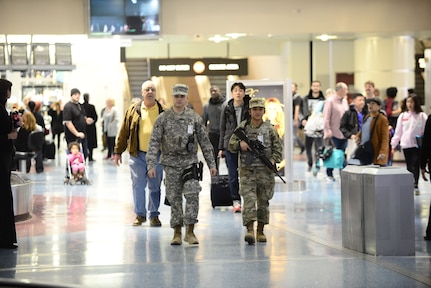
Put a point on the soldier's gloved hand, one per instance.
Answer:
(213, 171)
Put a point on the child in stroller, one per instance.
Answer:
(75, 165)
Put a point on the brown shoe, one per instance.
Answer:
(155, 222)
(139, 220)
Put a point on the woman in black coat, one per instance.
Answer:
(90, 111)
(7, 134)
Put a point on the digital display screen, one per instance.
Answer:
(124, 17)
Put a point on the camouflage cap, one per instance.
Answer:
(257, 102)
(180, 89)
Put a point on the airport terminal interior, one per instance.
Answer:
(83, 235)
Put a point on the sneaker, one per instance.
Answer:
(309, 168)
(155, 222)
(417, 192)
(139, 220)
(331, 179)
(236, 207)
(315, 171)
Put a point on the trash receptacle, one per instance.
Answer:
(388, 211)
(352, 207)
(22, 195)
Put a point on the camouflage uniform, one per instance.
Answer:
(170, 135)
(256, 180)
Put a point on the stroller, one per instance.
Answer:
(76, 165)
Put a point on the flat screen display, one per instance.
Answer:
(124, 17)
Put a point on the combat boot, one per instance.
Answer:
(190, 235)
(176, 240)
(249, 237)
(259, 235)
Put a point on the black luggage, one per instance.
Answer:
(220, 192)
(49, 151)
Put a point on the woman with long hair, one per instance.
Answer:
(410, 126)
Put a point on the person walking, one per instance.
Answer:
(211, 117)
(8, 133)
(335, 107)
(110, 126)
(235, 111)
(314, 96)
(297, 115)
(375, 122)
(410, 125)
(57, 127)
(177, 133)
(76, 121)
(134, 135)
(256, 179)
(90, 111)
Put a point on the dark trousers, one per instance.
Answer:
(7, 222)
(339, 144)
(428, 232)
(110, 142)
(214, 139)
(232, 168)
(411, 156)
(318, 142)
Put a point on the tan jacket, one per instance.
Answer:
(128, 135)
(379, 139)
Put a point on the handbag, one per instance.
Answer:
(331, 156)
(336, 160)
(365, 153)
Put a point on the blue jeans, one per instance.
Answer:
(339, 144)
(138, 172)
(232, 168)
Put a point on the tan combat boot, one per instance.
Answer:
(249, 237)
(260, 236)
(190, 235)
(176, 240)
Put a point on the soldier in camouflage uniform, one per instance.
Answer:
(256, 180)
(176, 134)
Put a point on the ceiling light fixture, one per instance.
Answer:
(218, 38)
(235, 35)
(326, 37)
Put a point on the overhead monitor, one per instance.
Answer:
(40, 54)
(124, 17)
(18, 53)
(63, 54)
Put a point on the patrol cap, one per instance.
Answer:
(375, 100)
(180, 89)
(257, 102)
(74, 91)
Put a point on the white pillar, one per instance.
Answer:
(387, 62)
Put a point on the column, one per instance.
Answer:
(386, 61)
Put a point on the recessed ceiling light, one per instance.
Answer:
(326, 37)
(218, 38)
(235, 35)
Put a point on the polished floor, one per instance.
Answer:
(82, 235)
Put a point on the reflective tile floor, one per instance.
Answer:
(83, 235)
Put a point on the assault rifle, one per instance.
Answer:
(257, 149)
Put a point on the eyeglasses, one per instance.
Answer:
(180, 96)
(150, 89)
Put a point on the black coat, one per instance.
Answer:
(349, 124)
(57, 126)
(90, 111)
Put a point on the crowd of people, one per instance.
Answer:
(163, 142)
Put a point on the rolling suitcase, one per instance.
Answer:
(220, 192)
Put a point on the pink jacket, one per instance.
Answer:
(334, 109)
(409, 124)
